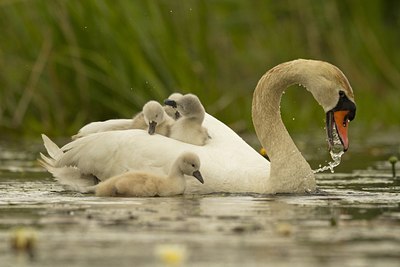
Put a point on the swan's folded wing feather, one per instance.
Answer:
(228, 164)
(103, 126)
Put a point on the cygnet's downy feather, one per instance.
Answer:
(144, 184)
(152, 118)
(172, 111)
(189, 127)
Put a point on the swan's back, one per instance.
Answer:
(111, 153)
(103, 126)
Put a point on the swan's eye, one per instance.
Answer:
(341, 93)
(193, 165)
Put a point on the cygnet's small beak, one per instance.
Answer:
(177, 115)
(152, 127)
(170, 102)
(198, 176)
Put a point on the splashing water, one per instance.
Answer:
(336, 154)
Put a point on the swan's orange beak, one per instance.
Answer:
(342, 123)
(337, 121)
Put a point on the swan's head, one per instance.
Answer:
(189, 164)
(153, 114)
(171, 111)
(333, 92)
(188, 105)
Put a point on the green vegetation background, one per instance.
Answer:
(64, 63)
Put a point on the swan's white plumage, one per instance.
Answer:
(228, 162)
(70, 176)
(152, 112)
(103, 126)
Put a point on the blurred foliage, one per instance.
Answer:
(68, 62)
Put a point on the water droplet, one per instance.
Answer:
(336, 154)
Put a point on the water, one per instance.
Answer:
(353, 221)
(336, 153)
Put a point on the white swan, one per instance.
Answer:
(189, 127)
(152, 117)
(144, 184)
(229, 164)
(103, 126)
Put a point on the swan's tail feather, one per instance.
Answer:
(69, 176)
(52, 149)
(46, 162)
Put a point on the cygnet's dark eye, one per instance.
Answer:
(193, 165)
(341, 93)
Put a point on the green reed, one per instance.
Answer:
(66, 63)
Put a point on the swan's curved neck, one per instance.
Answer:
(290, 172)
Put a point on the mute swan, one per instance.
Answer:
(152, 117)
(143, 184)
(228, 162)
(189, 127)
(171, 111)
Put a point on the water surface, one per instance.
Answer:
(353, 221)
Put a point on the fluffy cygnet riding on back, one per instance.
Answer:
(189, 128)
(143, 184)
(153, 118)
(152, 115)
(171, 111)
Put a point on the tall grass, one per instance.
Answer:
(66, 63)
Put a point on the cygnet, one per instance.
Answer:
(151, 116)
(171, 111)
(189, 127)
(143, 184)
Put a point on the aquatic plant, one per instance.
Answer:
(393, 160)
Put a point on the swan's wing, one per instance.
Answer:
(110, 153)
(103, 126)
(228, 164)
